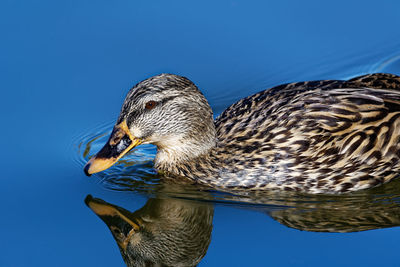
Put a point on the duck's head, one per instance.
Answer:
(165, 110)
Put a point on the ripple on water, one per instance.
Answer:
(390, 64)
(133, 171)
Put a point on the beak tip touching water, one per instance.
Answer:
(88, 198)
(86, 169)
(119, 143)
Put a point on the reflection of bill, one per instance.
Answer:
(165, 232)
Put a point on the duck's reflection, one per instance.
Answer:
(339, 217)
(165, 232)
(176, 232)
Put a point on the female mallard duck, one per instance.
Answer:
(317, 137)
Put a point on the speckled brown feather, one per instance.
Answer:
(316, 137)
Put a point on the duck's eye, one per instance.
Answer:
(151, 104)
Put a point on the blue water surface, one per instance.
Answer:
(66, 67)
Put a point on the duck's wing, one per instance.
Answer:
(348, 137)
(268, 102)
(286, 91)
(339, 131)
(361, 116)
(358, 119)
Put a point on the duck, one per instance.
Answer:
(317, 137)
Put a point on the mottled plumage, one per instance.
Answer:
(318, 137)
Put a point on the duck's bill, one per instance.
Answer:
(115, 218)
(119, 143)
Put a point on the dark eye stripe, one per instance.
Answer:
(165, 100)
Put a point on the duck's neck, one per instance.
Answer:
(177, 151)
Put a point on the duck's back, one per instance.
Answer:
(318, 136)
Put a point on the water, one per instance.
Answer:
(65, 69)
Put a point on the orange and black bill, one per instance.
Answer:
(119, 143)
